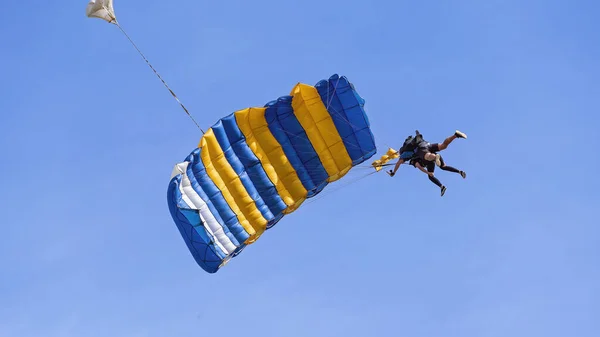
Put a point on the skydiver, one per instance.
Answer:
(419, 163)
(424, 150)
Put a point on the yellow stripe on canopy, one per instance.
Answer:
(321, 131)
(269, 152)
(228, 182)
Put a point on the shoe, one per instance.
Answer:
(463, 174)
(390, 172)
(443, 190)
(459, 134)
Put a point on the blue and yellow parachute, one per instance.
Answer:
(258, 164)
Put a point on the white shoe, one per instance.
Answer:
(438, 162)
(460, 134)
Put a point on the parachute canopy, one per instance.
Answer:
(259, 164)
(101, 9)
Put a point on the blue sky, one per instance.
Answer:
(89, 137)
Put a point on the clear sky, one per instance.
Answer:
(89, 137)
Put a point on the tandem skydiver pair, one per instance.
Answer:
(425, 156)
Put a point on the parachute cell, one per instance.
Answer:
(101, 9)
(259, 164)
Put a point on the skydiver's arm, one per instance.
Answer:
(397, 166)
(422, 169)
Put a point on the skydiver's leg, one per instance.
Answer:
(439, 184)
(425, 153)
(447, 141)
(429, 156)
(434, 179)
(451, 169)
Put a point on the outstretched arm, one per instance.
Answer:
(418, 165)
(397, 166)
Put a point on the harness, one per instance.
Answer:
(411, 144)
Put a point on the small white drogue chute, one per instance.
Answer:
(101, 9)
